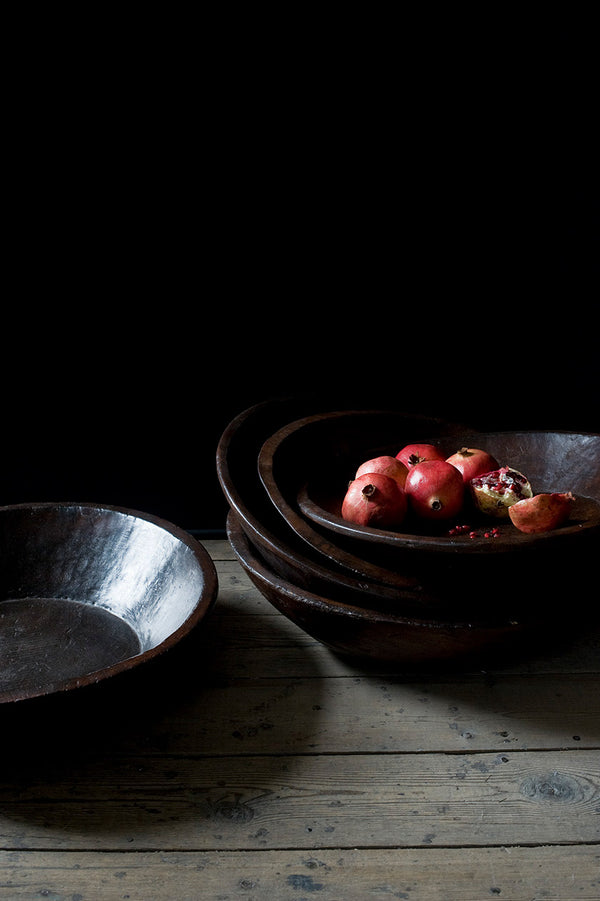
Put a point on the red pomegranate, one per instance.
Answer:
(412, 454)
(374, 499)
(472, 462)
(542, 512)
(435, 489)
(389, 466)
(494, 492)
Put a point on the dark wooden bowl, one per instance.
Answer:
(285, 460)
(282, 466)
(306, 466)
(328, 569)
(553, 461)
(380, 636)
(87, 592)
(453, 571)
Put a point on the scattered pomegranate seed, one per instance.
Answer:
(458, 530)
(461, 530)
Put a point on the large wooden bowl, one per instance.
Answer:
(553, 461)
(286, 458)
(87, 592)
(378, 635)
(316, 454)
(326, 568)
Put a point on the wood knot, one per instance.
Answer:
(235, 811)
(555, 787)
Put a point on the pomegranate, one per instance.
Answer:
(435, 489)
(472, 462)
(412, 454)
(389, 466)
(542, 512)
(494, 492)
(374, 499)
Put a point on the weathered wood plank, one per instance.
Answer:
(305, 802)
(309, 716)
(218, 548)
(180, 710)
(445, 874)
(237, 594)
(354, 715)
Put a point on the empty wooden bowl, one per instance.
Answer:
(89, 591)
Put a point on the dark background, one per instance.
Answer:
(174, 258)
(121, 396)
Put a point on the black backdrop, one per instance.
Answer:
(128, 409)
(206, 219)
(130, 341)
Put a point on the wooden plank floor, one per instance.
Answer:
(250, 762)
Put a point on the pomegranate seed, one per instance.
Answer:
(459, 530)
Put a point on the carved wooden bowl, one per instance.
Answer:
(546, 458)
(377, 635)
(306, 466)
(87, 592)
(319, 580)
(315, 562)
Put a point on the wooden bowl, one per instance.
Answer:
(283, 465)
(308, 452)
(380, 636)
(291, 455)
(553, 461)
(87, 592)
(290, 554)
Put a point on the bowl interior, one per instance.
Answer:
(320, 498)
(307, 476)
(86, 591)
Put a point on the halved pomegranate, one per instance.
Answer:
(541, 513)
(494, 492)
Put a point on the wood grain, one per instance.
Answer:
(440, 874)
(302, 801)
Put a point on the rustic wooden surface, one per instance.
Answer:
(251, 763)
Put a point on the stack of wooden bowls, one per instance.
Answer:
(419, 596)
